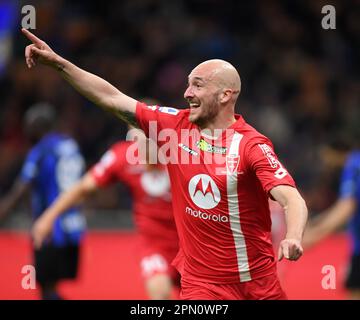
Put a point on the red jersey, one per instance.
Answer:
(150, 190)
(220, 197)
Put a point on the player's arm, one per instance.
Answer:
(330, 220)
(68, 199)
(11, 199)
(94, 88)
(296, 216)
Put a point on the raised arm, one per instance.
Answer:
(296, 216)
(74, 196)
(94, 88)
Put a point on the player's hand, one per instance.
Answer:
(41, 230)
(38, 51)
(291, 249)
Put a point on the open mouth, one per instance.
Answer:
(194, 105)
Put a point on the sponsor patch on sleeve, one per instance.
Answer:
(168, 110)
(273, 161)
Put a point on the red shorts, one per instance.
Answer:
(156, 259)
(265, 288)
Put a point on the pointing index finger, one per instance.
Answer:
(34, 39)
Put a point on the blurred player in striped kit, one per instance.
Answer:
(51, 167)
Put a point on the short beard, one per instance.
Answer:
(203, 120)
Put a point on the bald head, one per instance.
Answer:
(212, 91)
(220, 72)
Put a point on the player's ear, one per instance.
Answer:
(225, 95)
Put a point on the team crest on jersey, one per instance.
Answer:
(232, 163)
(168, 110)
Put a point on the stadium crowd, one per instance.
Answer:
(300, 83)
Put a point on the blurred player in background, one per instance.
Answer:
(346, 210)
(221, 210)
(150, 188)
(52, 166)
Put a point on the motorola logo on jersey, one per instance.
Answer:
(204, 192)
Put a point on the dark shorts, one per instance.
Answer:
(353, 278)
(56, 263)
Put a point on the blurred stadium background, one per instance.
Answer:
(300, 86)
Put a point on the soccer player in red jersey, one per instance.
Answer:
(222, 172)
(150, 187)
